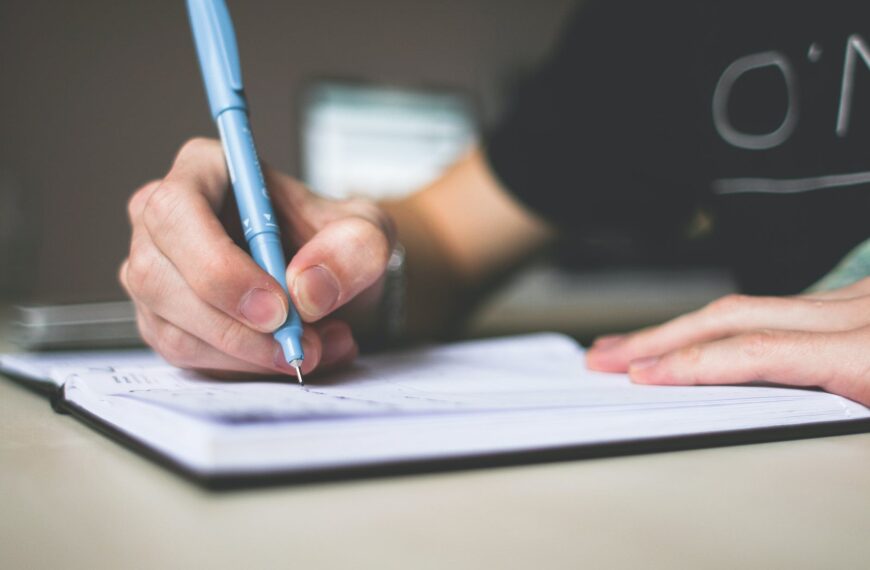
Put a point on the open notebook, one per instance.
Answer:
(483, 402)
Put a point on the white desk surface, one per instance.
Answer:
(70, 498)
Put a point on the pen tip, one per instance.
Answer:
(299, 376)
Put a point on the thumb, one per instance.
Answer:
(343, 259)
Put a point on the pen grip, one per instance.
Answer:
(266, 249)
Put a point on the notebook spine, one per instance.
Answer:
(58, 399)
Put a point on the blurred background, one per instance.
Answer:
(364, 96)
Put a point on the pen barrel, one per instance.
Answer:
(246, 176)
(258, 219)
(267, 251)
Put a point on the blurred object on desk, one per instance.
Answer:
(588, 303)
(85, 325)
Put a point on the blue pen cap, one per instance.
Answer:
(218, 53)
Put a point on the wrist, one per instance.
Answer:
(383, 325)
(391, 309)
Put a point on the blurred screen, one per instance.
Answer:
(380, 142)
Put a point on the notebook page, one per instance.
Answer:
(458, 399)
(52, 367)
(464, 378)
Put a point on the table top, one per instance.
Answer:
(73, 498)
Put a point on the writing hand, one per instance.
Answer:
(201, 300)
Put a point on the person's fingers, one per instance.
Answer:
(327, 344)
(170, 298)
(300, 212)
(137, 201)
(182, 308)
(182, 349)
(200, 164)
(180, 219)
(726, 317)
(838, 362)
(338, 349)
(201, 300)
(343, 259)
(338, 346)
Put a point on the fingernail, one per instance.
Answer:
(609, 341)
(336, 344)
(312, 354)
(263, 309)
(643, 363)
(316, 291)
(280, 361)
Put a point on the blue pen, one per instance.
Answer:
(219, 60)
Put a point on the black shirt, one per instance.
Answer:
(758, 111)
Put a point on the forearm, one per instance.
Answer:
(435, 291)
(461, 234)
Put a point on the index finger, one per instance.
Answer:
(181, 219)
(728, 316)
(833, 361)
